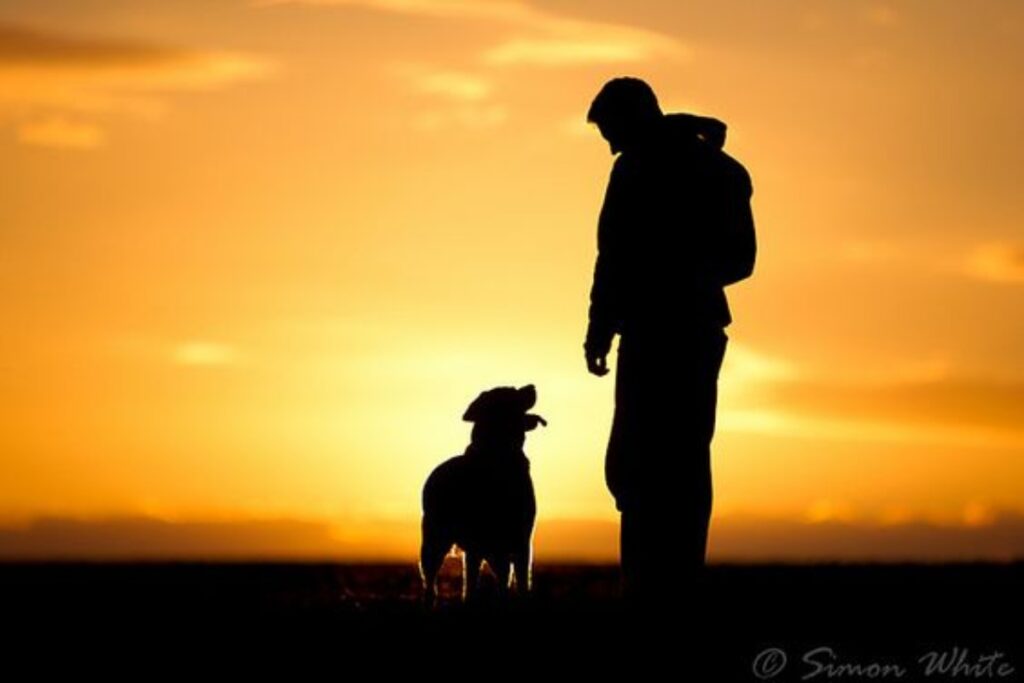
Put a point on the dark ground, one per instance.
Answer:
(876, 619)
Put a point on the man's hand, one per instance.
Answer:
(597, 364)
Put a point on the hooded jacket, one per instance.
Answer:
(669, 238)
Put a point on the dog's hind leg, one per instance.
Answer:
(432, 554)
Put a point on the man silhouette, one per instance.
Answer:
(674, 230)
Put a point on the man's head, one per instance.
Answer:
(625, 110)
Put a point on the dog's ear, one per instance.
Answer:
(484, 405)
(475, 410)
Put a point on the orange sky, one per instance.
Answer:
(257, 257)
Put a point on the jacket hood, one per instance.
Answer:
(689, 126)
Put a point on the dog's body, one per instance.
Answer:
(483, 501)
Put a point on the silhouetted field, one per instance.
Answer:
(885, 615)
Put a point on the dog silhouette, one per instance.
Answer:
(483, 500)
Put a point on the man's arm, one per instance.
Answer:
(605, 313)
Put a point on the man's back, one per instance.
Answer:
(659, 235)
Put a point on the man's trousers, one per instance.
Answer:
(658, 462)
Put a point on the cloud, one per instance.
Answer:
(744, 364)
(995, 535)
(60, 132)
(543, 39)
(33, 47)
(204, 353)
(190, 352)
(996, 262)
(458, 86)
(743, 538)
(829, 532)
(990, 261)
(537, 38)
(813, 20)
(473, 117)
(147, 537)
(829, 510)
(501, 10)
(47, 77)
(872, 251)
(881, 15)
(948, 410)
(558, 41)
(464, 99)
(564, 52)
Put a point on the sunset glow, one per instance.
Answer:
(257, 257)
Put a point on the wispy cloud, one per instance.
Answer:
(568, 51)
(475, 117)
(47, 79)
(558, 41)
(872, 251)
(744, 364)
(813, 20)
(205, 353)
(189, 352)
(996, 535)
(536, 38)
(830, 510)
(149, 537)
(456, 98)
(60, 132)
(34, 47)
(501, 10)
(948, 410)
(542, 38)
(452, 84)
(996, 262)
(880, 14)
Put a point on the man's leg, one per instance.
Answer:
(700, 399)
(625, 454)
(659, 462)
(641, 556)
(683, 488)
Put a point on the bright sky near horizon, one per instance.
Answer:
(257, 257)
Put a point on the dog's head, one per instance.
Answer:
(501, 417)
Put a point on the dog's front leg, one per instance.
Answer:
(470, 575)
